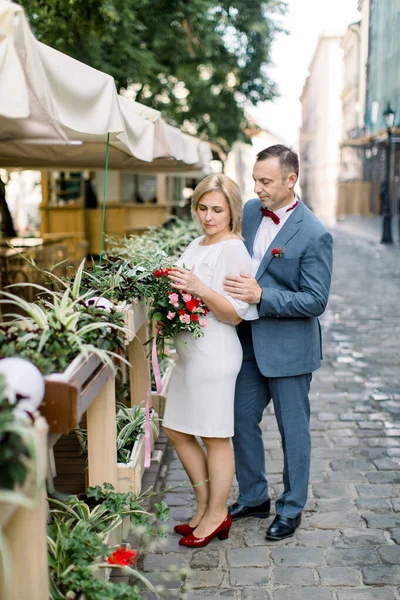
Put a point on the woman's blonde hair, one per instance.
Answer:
(231, 191)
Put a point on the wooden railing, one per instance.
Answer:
(87, 386)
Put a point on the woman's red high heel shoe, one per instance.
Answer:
(222, 531)
(184, 529)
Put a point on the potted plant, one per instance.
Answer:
(80, 545)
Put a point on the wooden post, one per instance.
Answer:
(102, 445)
(139, 373)
(26, 537)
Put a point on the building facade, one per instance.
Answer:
(352, 121)
(321, 130)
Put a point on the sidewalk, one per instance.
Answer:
(347, 547)
(369, 228)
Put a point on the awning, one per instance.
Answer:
(56, 112)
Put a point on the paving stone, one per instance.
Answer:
(370, 425)
(249, 576)
(169, 581)
(376, 504)
(215, 594)
(204, 579)
(340, 476)
(354, 557)
(381, 521)
(390, 554)
(324, 490)
(176, 499)
(354, 464)
(248, 557)
(395, 534)
(336, 520)
(396, 504)
(386, 464)
(315, 538)
(252, 593)
(375, 491)
(339, 576)
(384, 575)
(366, 594)
(394, 452)
(302, 593)
(293, 576)
(383, 476)
(335, 504)
(360, 537)
(205, 558)
(170, 544)
(181, 514)
(291, 557)
(163, 562)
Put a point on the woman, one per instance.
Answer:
(201, 396)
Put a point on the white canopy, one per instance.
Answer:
(56, 112)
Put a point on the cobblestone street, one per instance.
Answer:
(348, 545)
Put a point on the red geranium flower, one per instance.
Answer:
(122, 557)
(194, 317)
(181, 312)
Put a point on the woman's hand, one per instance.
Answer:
(186, 281)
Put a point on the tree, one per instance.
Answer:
(198, 61)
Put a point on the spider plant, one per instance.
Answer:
(130, 425)
(60, 326)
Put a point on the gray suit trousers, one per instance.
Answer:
(292, 410)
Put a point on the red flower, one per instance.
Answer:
(194, 317)
(192, 305)
(122, 557)
(278, 252)
(181, 312)
(161, 272)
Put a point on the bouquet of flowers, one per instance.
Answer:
(178, 311)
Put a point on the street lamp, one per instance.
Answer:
(389, 116)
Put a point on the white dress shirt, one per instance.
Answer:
(266, 234)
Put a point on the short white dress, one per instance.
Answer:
(202, 387)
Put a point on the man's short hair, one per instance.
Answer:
(288, 160)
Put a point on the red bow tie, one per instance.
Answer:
(269, 213)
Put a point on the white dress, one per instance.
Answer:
(202, 387)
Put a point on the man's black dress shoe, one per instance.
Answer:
(238, 511)
(282, 527)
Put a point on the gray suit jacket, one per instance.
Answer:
(287, 336)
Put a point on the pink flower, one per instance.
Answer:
(187, 297)
(203, 322)
(173, 298)
(176, 305)
(185, 319)
(171, 315)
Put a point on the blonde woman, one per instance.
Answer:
(201, 397)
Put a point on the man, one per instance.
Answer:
(292, 259)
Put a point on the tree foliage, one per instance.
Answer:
(198, 61)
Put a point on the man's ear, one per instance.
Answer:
(291, 180)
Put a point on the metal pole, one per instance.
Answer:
(387, 208)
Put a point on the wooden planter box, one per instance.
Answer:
(29, 569)
(135, 316)
(69, 394)
(129, 475)
(113, 538)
